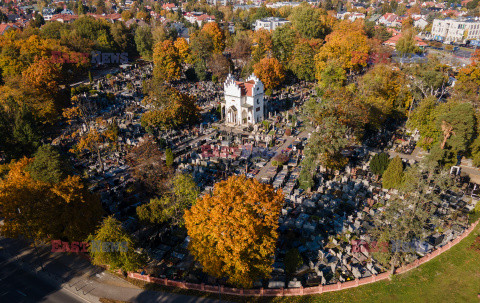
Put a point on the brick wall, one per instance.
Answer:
(307, 290)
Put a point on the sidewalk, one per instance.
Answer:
(77, 276)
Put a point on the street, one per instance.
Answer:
(18, 285)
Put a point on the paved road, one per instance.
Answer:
(68, 278)
(19, 285)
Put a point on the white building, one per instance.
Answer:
(219, 2)
(456, 30)
(270, 23)
(420, 22)
(244, 101)
(350, 16)
(47, 13)
(281, 4)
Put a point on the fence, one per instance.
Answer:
(302, 290)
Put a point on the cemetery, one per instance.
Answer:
(320, 224)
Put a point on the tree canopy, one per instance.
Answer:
(233, 231)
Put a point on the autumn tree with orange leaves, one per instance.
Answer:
(44, 210)
(233, 231)
(347, 44)
(166, 61)
(270, 72)
(217, 36)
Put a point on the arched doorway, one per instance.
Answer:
(244, 116)
(232, 115)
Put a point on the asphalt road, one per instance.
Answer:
(20, 286)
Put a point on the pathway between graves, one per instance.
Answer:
(73, 275)
(289, 140)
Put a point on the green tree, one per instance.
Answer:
(284, 39)
(310, 22)
(48, 165)
(407, 44)
(171, 206)
(302, 62)
(393, 175)
(111, 230)
(379, 163)
(409, 215)
(144, 41)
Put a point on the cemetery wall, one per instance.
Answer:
(301, 290)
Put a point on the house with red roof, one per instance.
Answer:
(244, 101)
(169, 6)
(390, 20)
(4, 27)
(393, 41)
(199, 18)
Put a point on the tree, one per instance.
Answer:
(169, 108)
(348, 44)
(48, 165)
(216, 35)
(233, 231)
(379, 163)
(384, 89)
(311, 22)
(428, 79)
(468, 82)
(220, 66)
(125, 258)
(44, 210)
(43, 76)
(393, 175)
(170, 206)
(332, 76)
(201, 47)
(147, 167)
(302, 62)
(270, 72)
(284, 39)
(263, 44)
(166, 61)
(183, 50)
(407, 45)
(409, 215)
(144, 41)
(242, 49)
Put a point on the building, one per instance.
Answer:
(48, 13)
(393, 41)
(390, 19)
(456, 30)
(282, 4)
(270, 23)
(350, 16)
(420, 22)
(244, 102)
(219, 2)
(4, 27)
(199, 18)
